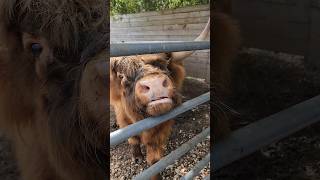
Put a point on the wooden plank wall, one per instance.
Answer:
(291, 26)
(280, 25)
(182, 24)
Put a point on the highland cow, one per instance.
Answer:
(148, 85)
(53, 87)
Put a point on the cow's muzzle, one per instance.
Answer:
(156, 92)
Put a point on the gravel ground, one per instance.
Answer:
(266, 83)
(187, 126)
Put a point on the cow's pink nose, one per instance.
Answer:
(154, 88)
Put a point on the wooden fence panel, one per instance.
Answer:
(291, 26)
(280, 25)
(182, 24)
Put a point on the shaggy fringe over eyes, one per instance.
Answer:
(66, 24)
(135, 67)
(70, 27)
(127, 65)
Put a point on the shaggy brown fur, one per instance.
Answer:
(226, 40)
(224, 6)
(125, 72)
(53, 101)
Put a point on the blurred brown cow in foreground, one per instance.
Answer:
(53, 91)
(226, 42)
(148, 85)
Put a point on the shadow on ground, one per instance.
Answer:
(266, 83)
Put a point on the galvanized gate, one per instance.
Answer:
(121, 135)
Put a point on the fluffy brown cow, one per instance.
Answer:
(148, 85)
(53, 95)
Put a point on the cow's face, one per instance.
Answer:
(54, 76)
(84, 85)
(145, 84)
(155, 90)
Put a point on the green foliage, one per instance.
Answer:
(136, 6)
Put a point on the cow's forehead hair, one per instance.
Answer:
(67, 24)
(126, 65)
(133, 66)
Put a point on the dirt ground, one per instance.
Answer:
(267, 83)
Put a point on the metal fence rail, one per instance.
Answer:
(197, 168)
(135, 48)
(123, 134)
(174, 155)
(120, 135)
(254, 136)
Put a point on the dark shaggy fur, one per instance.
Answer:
(47, 112)
(67, 24)
(125, 72)
(226, 39)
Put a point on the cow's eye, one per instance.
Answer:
(36, 49)
(124, 82)
(120, 76)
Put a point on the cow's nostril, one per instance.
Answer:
(165, 83)
(144, 88)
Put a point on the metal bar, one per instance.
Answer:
(130, 42)
(174, 155)
(134, 48)
(197, 168)
(123, 134)
(249, 139)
